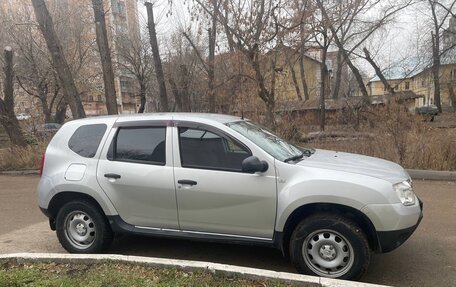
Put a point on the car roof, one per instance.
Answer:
(203, 117)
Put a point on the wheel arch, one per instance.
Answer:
(64, 197)
(283, 238)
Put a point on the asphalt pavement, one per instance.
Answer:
(428, 258)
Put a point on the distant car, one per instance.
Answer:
(428, 111)
(48, 129)
(21, 117)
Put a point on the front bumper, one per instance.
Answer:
(390, 240)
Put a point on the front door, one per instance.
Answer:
(214, 196)
(136, 173)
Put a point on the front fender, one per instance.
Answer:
(314, 185)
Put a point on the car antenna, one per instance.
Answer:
(242, 114)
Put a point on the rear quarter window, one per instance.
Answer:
(86, 139)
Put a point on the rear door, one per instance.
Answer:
(135, 171)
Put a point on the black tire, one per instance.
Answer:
(333, 241)
(83, 228)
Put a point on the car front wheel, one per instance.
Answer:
(83, 228)
(331, 246)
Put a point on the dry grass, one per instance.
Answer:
(17, 158)
(399, 137)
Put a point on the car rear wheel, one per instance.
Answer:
(82, 228)
(331, 246)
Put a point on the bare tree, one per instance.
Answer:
(252, 26)
(378, 72)
(440, 11)
(186, 70)
(34, 71)
(7, 116)
(105, 55)
(58, 58)
(135, 57)
(158, 67)
(322, 36)
(353, 30)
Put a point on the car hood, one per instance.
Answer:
(355, 163)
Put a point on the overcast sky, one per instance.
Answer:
(398, 41)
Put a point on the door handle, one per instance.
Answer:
(187, 182)
(112, 175)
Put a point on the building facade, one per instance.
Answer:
(73, 20)
(419, 78)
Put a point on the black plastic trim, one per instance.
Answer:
(390, 240)
(121, 227)
(48, 215)
(45, 212)
(143, 123)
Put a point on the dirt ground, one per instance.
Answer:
(428, 258)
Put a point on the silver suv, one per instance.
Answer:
(223, 178)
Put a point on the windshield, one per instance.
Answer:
(266, 140)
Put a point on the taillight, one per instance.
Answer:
(42, 164)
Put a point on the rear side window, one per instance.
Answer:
(141, 144)
(86, 139)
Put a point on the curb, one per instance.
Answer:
(432, 174)
(245, 272)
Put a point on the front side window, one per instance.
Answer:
(140, 144)
(200, 148)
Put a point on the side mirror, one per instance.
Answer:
(252, 164)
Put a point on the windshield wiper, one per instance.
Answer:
(295, 157)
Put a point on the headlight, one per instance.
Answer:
(405, 193)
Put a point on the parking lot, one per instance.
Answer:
(428, 258)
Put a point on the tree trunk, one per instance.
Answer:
(323, 79)
(7, 116)
(176, 93)
(59, 62)
(105, 55)
(302, 69)
(452, 96)
(47, 113)
(356, 73)
(263, 93)
(185, 76)
(157, 61)
(142, 97)
(436, 70)
(294, 79)
(340, 46)
(60, 112)
(210, 66)
(303, 74)
(338, 77)
(378, 72)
